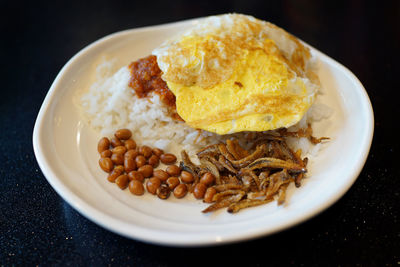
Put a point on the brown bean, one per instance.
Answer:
(162, 175)
(119, 150)
(136, 187)
(180, 191)
(152, 184)
(208, 196)
(145, 151)
(114, 174)
(168, 158)
(163, 191)
(154, 161)
(187, 177)
(135, 175)
(106, 164)
(116, 142)
(173, 182)
(140, 161)
(122, 181)
(123, 134)
(146, 170)
(117, 159)
(130, 144)
(199, 190)
(103, 144)
(173, 170)
(158, 152)
(131, 153)
(207, 179)
(129, 164)
(106, 153)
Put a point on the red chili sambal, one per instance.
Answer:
(146, 77)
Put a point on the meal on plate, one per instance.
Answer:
(223, 111)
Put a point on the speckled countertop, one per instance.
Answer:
(38, 228)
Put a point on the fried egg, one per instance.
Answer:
(233, 73)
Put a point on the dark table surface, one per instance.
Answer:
(37, 227)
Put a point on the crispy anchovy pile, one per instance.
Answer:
(248, 178)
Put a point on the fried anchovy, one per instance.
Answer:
(221, 195)
(300, 176)
(295, 157)
(211, 150)
(227, 165)
(264, 179)
(246, 203)
(240, 150)
(230, 146)
(187, 165)
(233, 180)
(250, 173)
(290, 154)
(260, 195)
(282, 194)
(276, 180)
(276, 164)
(303, 133)
(266, 139)
(224, 202)
(224, 187)
(277, 150)
(217, 164)
(249, 183)
(260, 150)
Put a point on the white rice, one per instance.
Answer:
(110, 104)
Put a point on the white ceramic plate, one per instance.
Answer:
(65, 148)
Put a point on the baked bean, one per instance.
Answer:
(187, 177)
(122, 181)
(168, 158)
(199, 190)
(123, 134)
(208, 196)
(145, 151)
(158, 152)
(130, 144)
(106, 153)
(152, 184)
(153, 161)
(140, 161)
(207, 179)
(163, 191)
(136, 187)
(103, 144)
(180, 191)
(117, 159)
(131, 153)
(146, 170)
(129, 164)
(119, 150)
(173, 170)
(106, 164)
(162, 175)
(135, 175)
(116, 142)
(114, 174)
(173, 182)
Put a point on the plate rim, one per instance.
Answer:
(156, 236)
